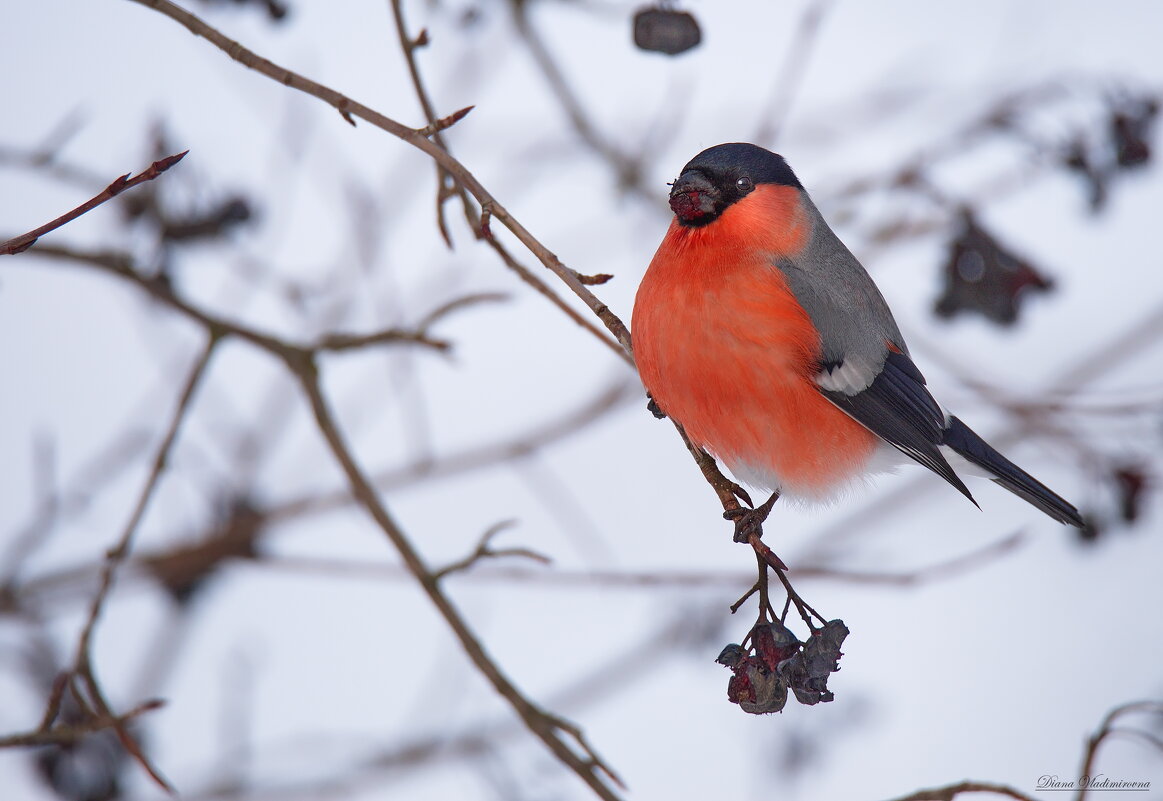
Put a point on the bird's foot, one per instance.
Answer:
(749, 522)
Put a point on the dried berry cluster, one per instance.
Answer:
(777, 661)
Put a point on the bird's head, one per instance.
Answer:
(723, 175)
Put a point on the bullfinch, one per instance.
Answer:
(760, 333)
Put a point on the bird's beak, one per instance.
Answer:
(693, 196)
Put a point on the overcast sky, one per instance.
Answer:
(996, 673)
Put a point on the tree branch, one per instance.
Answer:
(350, 108)
(23, 242)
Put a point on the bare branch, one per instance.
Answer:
(341, 342)
(301, 363)
(1108, 729)
(791, 75)
(347, 106)
(120, 552)
(69, 734)
(628, 169)
(484, 551)
(23, 242)
(444, 123)
(541, 724)
(951, 791)
(447, 186)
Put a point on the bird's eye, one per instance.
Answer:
(744, 185)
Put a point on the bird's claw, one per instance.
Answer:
(749, 522)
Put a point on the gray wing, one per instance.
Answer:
(847, 309)
(865, 368)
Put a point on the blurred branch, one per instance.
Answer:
(44, 158)
(68, 734)
(54, 505)
(1107, 729)
(182, 566)
(120, 552)
(446, 184)
(301, 362)
(472, 458)
(24, 241)
(490, 206)
(342, 342)
(1087, 368)
(614, 676)
(547, 727)
(237, 536)
(83, 664)
(95, 709)
(484, 551)
(791, 75)
(628, 169)
(1086, 774)
(653, 579)
(417, 336)
(951, 791)
(121, 264)
(350, 109)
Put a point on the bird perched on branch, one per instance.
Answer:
(760, 333)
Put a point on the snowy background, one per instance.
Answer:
(317, 669)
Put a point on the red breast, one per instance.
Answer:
(725, 348)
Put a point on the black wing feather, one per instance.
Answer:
(962, 439)
(898, 408)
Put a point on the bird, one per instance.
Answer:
(761, 334)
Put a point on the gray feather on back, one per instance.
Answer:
(844, 305)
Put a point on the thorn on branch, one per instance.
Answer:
(445, 123)
(592, 280)
(23, 242)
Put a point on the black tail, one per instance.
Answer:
(961, 438)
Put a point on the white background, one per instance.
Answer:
(997, 673)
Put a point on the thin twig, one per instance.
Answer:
(118, 554)
(351, 108)
(1106, 729)
(121, 264)
(629, 170)
(69, 734)
(168, 564)
(23, 242)
(449, 186)
(1088, 368)
(791, 75)
(389, 336)
(485, 551)
(302, 365)
(538, 722)
(446, 184)
(951, 791)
